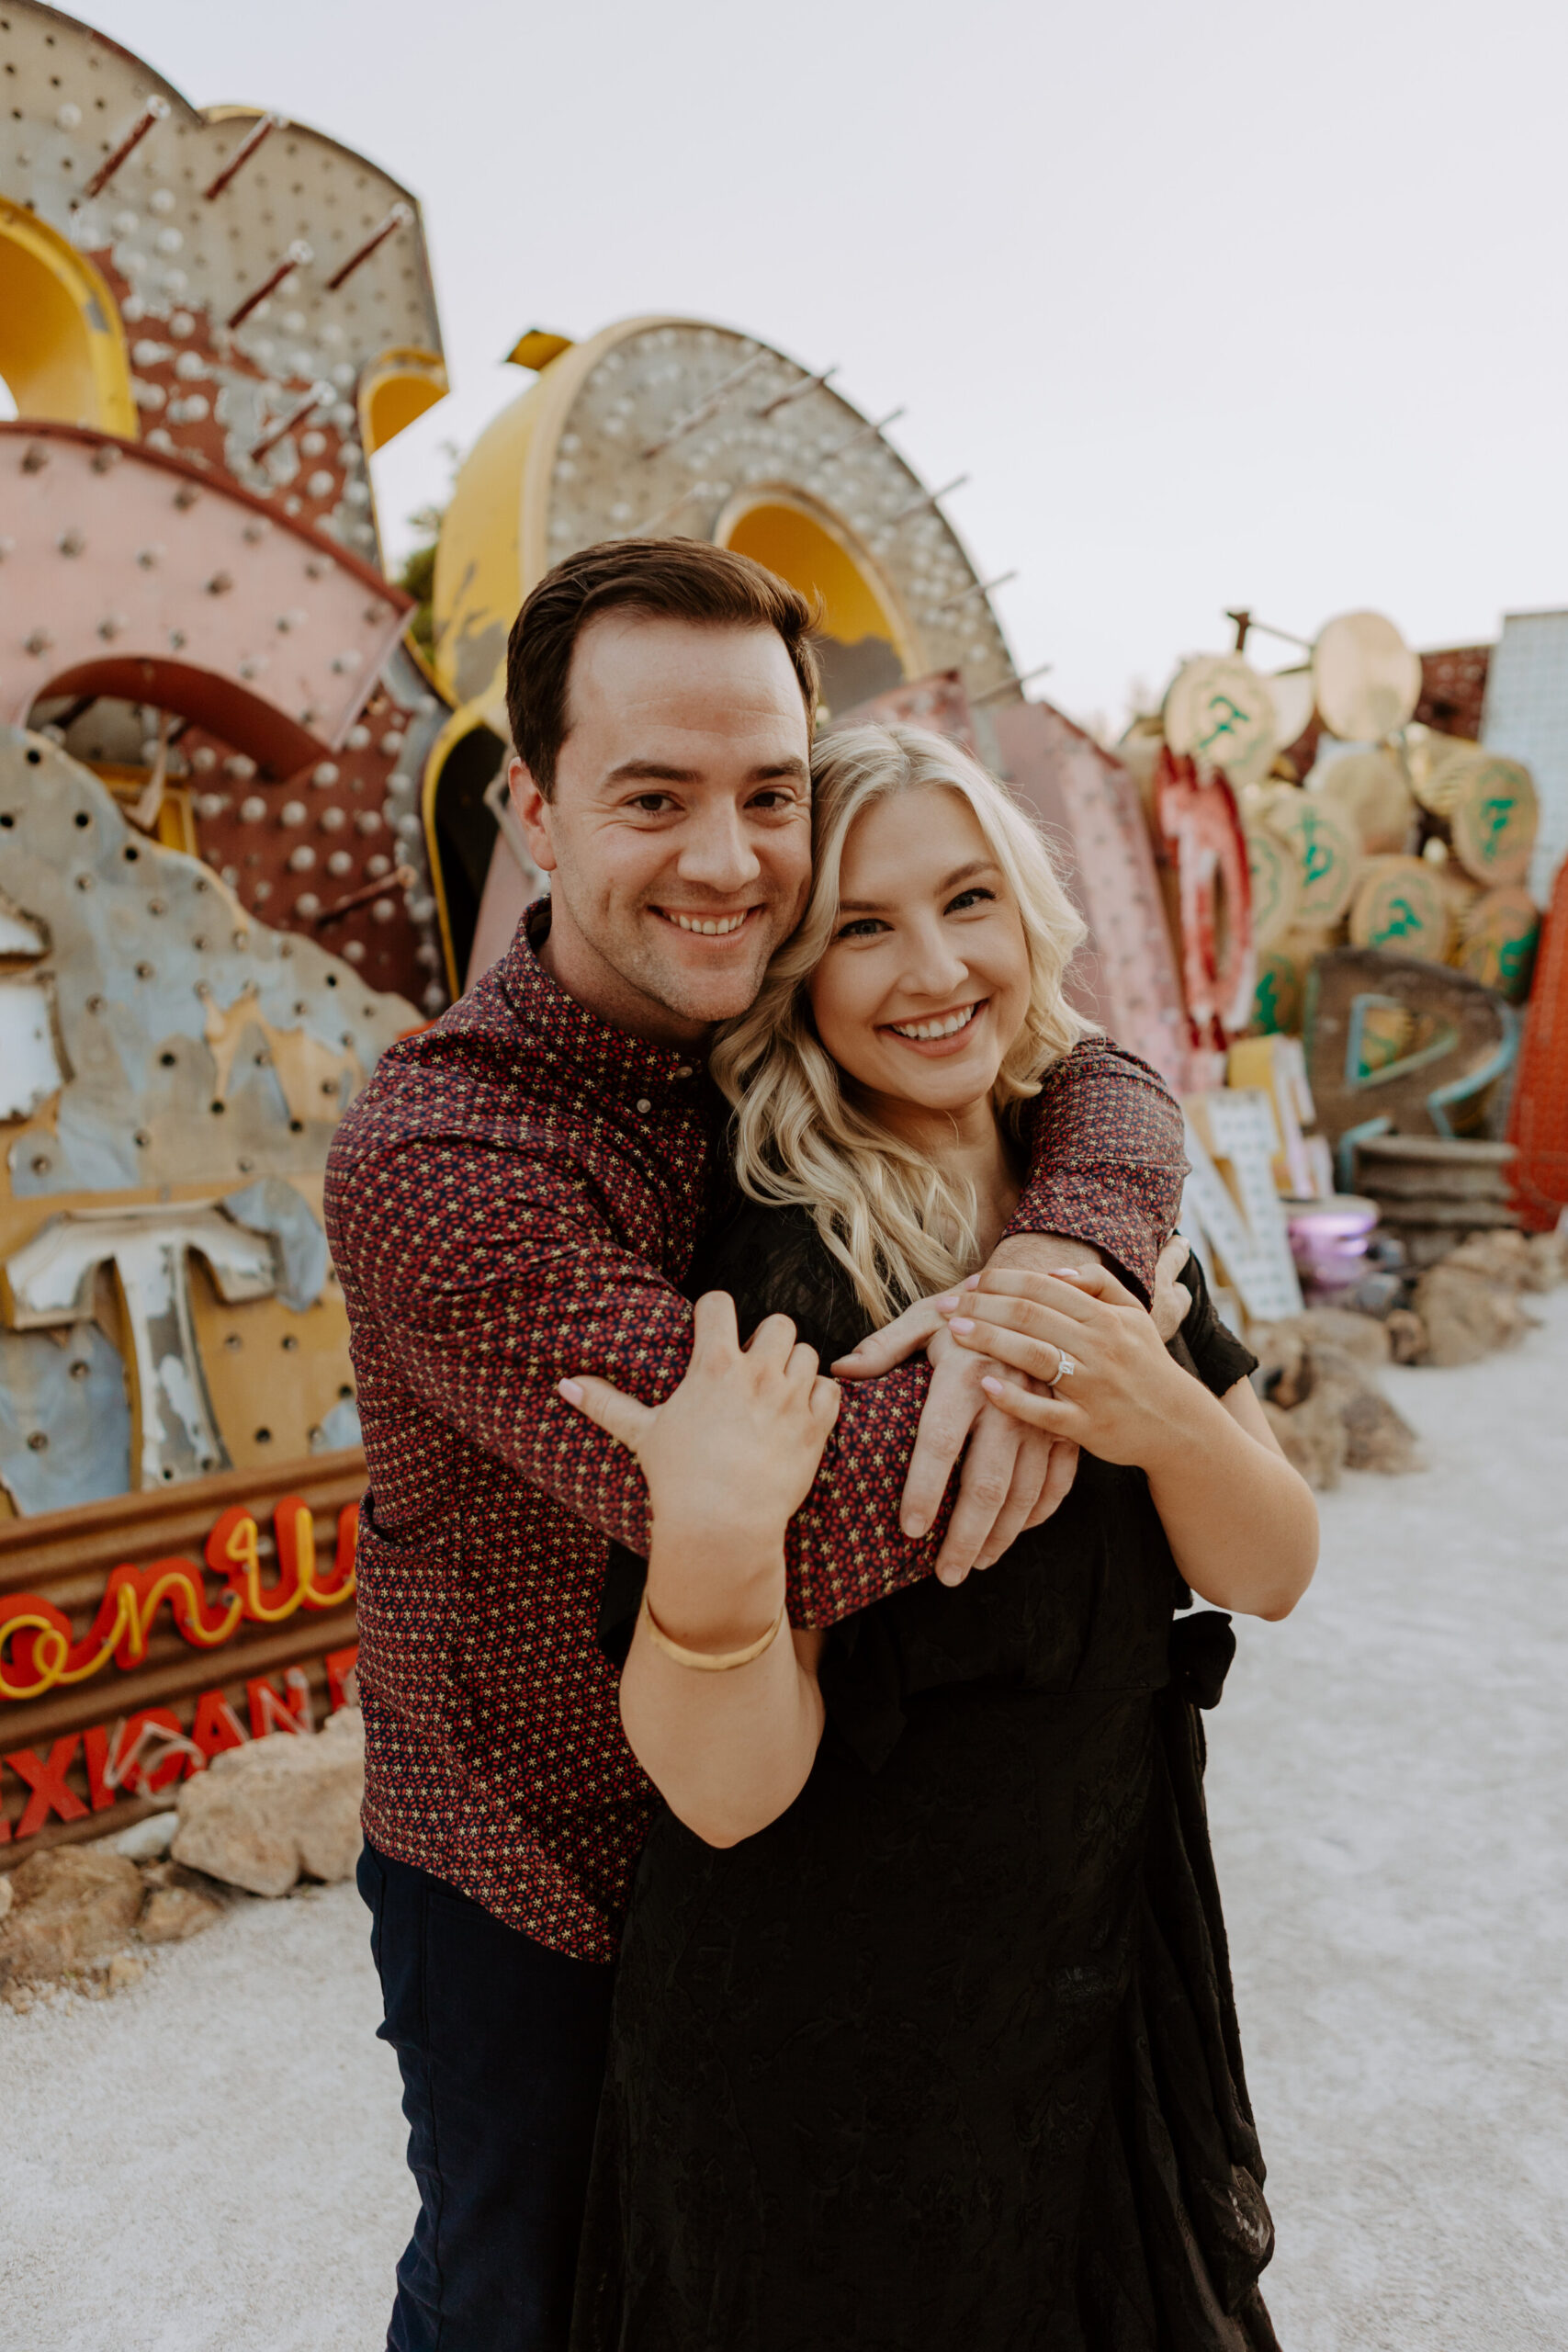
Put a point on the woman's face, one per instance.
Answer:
(925, 982)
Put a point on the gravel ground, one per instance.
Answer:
(214, 2156)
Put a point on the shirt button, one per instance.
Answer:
(643, 1103)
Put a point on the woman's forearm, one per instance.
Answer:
(728, 1751)
(1240, 1521)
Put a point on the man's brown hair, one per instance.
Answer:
(683, 580)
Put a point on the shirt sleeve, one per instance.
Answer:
(511, 1279)
(1106, 1159)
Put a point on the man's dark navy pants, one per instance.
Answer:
(501, 2046)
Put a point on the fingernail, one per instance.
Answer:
(972, 1282)
(992, 1388)
(947, 1304)
(962, 1323)
(950, 1575)
(570, 1391)
(913, 1527)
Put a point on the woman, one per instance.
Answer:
(923, 2033)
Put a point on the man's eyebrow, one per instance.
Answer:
(949, 882)
(657, 771)
(662, 771)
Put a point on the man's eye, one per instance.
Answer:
(969, 899)
(651, 804)
(776, 798)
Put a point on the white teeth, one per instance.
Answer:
(712, 927)
(924, 1030)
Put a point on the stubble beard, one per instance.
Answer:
(630, 945)
(691, 994)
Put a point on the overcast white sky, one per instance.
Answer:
(1217, 303)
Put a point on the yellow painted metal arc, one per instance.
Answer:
(556, 389)
(780, 523)
(62, 348)
(395, 388)
(478, 565)
(489, 710)
(802, 539)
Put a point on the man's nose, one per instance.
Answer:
(716, 854)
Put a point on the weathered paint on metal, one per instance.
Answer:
(173, 1005)
(64, 1419)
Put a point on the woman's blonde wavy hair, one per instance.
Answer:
(899, 1226)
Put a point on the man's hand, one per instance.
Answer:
(1007, 1484)
(1005, 1487)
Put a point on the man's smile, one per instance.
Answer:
(706, 926)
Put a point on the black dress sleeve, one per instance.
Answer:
(772, 1261)
(1203, 1344)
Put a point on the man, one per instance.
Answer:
(515, 1197)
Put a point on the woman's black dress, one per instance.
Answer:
(945, 2059)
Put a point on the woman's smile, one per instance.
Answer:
(937, 1033)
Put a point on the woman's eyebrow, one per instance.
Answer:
(949, 882)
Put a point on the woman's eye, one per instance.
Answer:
(864, 927)
(968, 899)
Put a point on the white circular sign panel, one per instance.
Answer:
(1366, 679)
(1220, 710)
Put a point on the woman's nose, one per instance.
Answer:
(933, 967)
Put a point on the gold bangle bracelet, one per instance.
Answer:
(702, 1661)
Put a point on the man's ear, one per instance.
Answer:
(533, 813)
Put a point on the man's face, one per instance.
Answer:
(679, 839)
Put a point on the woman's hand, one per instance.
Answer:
(1241, 1525)
(729, 1457)
(1124, 1397)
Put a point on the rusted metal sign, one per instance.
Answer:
(142, 1635)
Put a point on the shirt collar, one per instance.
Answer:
(608, 1059)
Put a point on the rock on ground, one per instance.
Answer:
(287, 1808)
(174, 1914)
(69, 1905)
(1467, 1313)
(1322, 1400)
